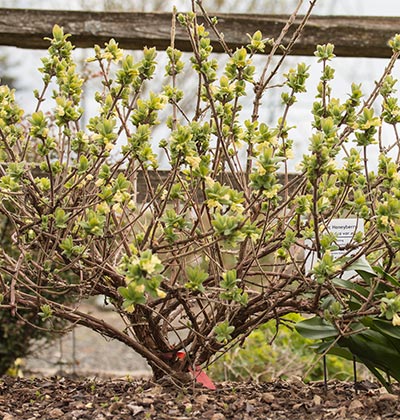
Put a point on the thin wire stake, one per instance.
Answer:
(60, 360)
(325, 374)
(73, 352)
(355, 374)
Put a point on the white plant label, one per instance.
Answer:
(344, 229)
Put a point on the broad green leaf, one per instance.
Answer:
(363, 268)
(386, 276)
(373, 347)
(316, 328)
(332, 348)
(355, 347)
(386, 328)
(350, 286)
(341, 352)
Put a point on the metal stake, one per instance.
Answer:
(60, 360)
(74, 361)
(325, 374)
(355, 374)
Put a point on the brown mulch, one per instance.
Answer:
(124, 398)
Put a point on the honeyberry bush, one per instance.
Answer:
(219, 245)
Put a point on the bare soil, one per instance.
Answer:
(121, 398)
(88, 377)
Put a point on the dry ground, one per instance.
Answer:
(106, 385)
(124, 398)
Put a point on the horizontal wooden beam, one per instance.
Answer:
(353, 36)
(153, 179)
(157, 178)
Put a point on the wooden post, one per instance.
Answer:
(353, 36)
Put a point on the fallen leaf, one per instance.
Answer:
(355, 405)
(249, 408)
(115, 406)
(56, 413)
(218, 416)
(296, 381)
(267, 397)
(388, 397)
(202, 399)
(317, 400)
(135, 409)
(202, 378)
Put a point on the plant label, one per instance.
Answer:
(344, 230)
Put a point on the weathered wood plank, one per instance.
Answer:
(156, 178)
(353, 36)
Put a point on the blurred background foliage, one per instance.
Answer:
(268, 354)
